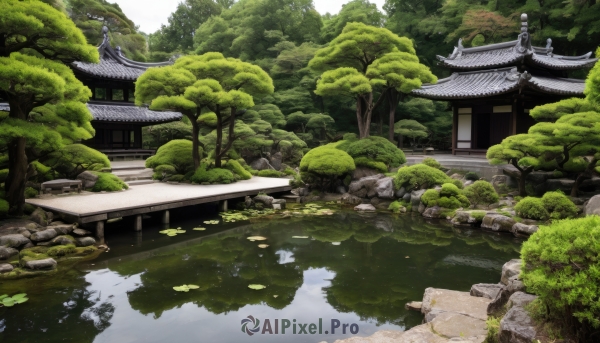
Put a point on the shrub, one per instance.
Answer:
(493, 330)
(237, 169)
(532, 208)
(297, 182)
(30, 192)
(108, 182)
(559, 205)
(431, 162)
(420, 176)
(395, 206)
(560, 265)
(464, 202)
(74, 159)
(478, 215)
(449, 189)
(472, 176)
(269, 173)
(176, 153)
(376, 149)
(176, 178)
(430, 197)
(215, 175)
(3, 175)
(365, 162)
(3, 207)
(481, 192)
(289, 172)
(326, 163)
(449, 202)
(163, 171)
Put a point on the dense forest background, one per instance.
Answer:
(282, 36)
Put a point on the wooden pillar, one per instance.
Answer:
(137, 223)
(166, 216)
(223, 206)
(514, 118)
(100, 232)
(454, 127)
(138, 239)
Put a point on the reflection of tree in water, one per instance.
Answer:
(62, 304)
(223, 267)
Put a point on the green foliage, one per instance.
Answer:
(430, 197)
(430, 161)
(3, 207)
(478, 215)
(559, 205)
(449, 202)
(420, 176)
(73, 159)
(215, 175)
(472, 176)
(325, 163)
(450, 190)
(562, 269)
(108, 182)
(395, 206)
(532, 208)
(551, 112)
(269, 173)
(175, 155)
(368, 163)
(493, 330)
(30, 192)
(377, 149)
(481, 192)
(3, 175)
(61, 250)
(238, 170)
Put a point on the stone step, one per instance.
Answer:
(140, 182)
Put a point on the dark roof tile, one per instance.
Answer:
(125, 113)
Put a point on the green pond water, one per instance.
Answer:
(358, 269)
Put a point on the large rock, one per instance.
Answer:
(524, 229)
(88, 179)
(13, 241)
(365, 187)
(564, 185)
(517, 326)
(6, 252)
(264, 199)
(81, 232)
(278, 204)
(62, 229)
(361, 172)
(63, 240)
(520, 299)
(351, 199)
(593, 206)
(500, 182)
(40, 216)
(42, 236)
(365, 208)
(385, 188)
(437, 301)
(433, 212)
(415, 199)
(48, 263)
(276, 160)
(400, 193)
(485, 290)
(510, 269)
(261, 164)
(514, 285)
(6, 268)
(454, 325)
(85, 241)
(498, 222)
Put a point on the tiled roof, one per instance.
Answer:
(123, 113)
(128, 113)
(466, 85)
(564, 62)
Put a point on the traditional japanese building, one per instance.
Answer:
(493, 87)
(117, 121)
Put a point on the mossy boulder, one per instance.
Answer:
(326, 164)
(215, 175)
(108, 182)
(176, 154)
(420, 176)
(373, 152)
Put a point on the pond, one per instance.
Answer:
(353, 268)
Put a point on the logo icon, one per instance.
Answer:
(252, 322)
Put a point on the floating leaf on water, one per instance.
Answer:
(193, 286)
(21, 300)
(257, 287)
(301, 237)
(172, 232)
(183, 288)
(3, 296)
(257, 238)
(211, 222)
(20, 295)
(199, 229)
(336, 243)
(407, 257)
(275, 296)
(180, 231)
(8, 302)
(262, 246)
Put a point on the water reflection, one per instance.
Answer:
(375, 265)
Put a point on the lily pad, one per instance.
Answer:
(3, 296)
(193, 286)
(275, 296)
(336, 243)
(263, 246)
(256, 238)
(185, 288)
(211, 222)
(7, 301)
(199, 229)
(257, 287)
(172, 232)
(300, 237)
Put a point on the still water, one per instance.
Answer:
(358, 269)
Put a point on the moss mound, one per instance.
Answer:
(108, 182)
(532, 208)
(175, 155)
(269, 173)
(553, 205)
(326, 164)
(236, 168)
(481, 192)
(420, 176)
(429, 161)
(376, 149)
(215, 175)
(30, 192)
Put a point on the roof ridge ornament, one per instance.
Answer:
(457, 50)
(524, 41)
(105, 41)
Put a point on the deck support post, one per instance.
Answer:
(100, 231)
(166, 217)
(223, 206)
(137, 224)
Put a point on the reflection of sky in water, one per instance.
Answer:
(285, 256)
(189, 323)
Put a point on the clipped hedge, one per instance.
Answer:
(449, 196)
(237, 169)
(559, 205)
(532, 208)
(365, 162)
(108, 182)
(561, 266)
(374, 148)
(432, 162)
(215, 175)
(481, 192)
(269, 173)
(325, 164)
(420, 176)
(176, 153)
(430, 197)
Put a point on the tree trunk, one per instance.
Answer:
(17, 171)
(393, 104)
(219, 138)
(230, 138)
(195, 140)
(586, 174)
(520, 175)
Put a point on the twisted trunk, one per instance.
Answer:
(195, 140)
(586, 174)
(14, 185)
